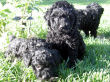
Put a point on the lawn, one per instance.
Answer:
(95, 67)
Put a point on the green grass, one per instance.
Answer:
(95, 67)
(81, 2)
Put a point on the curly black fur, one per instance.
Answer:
(89, 19)
(64, 36)
(36, 53)
(13, 48)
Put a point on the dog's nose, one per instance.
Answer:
(63, 25)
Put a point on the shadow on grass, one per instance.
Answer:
(95, 60)
(83, 2)
(104, 35)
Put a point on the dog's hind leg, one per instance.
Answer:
(86, 32)
(93, 33)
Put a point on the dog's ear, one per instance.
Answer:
(47, 16)
(27, 59)
(73, 17)
(94, 16)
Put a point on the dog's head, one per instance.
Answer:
(61, 16)
(29, 47)
(96, 7)
(44, 63)
(38, 54)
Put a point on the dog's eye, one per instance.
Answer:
(63, 16)
(54, 15)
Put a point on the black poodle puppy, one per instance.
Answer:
(62, 33)
(88, 19)
(38, 54)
